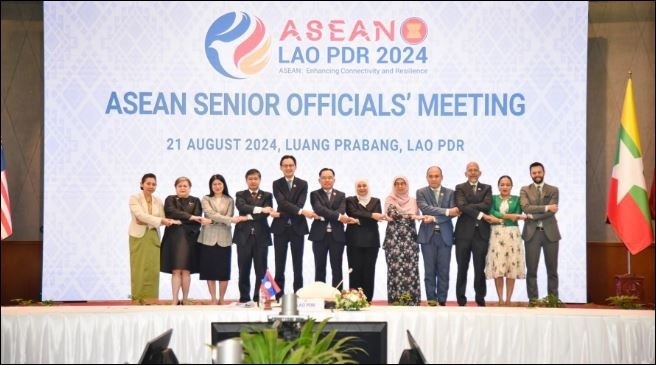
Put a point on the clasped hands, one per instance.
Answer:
(270, 211)
(164, 221)
(513, 217)
(202, 220)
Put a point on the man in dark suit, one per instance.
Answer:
(437, 205)
(473, 199)
(327, 232)
(540, 203)
(290, 193)
(253, 236)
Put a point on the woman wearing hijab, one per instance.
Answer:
(363, 239)
(400, 245)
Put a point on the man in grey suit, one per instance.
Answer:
(436, 234)
(540, 203)
(474, 199)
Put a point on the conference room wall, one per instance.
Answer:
(621, 39)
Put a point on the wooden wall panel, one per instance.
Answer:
(21, 270)
(606, 260)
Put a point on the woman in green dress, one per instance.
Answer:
(147, 213)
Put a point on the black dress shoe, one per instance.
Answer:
(180, 302)
(481, 303)
(442, 304)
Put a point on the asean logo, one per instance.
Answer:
(414, 30)
(237, 45)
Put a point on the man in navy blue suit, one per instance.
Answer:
(327, 232)
(436, 234)
(252, 236)
(290, 193)
(474, 199)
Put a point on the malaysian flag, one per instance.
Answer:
(6, 207)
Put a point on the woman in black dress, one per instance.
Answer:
(178, 252)
(363, 239)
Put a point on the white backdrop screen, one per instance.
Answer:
(369, 89)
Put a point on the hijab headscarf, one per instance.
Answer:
(362, 199)
(402, 201)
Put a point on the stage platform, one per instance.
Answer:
(118, 333)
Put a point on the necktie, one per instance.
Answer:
(539, 203)
(254, 195)
(328, 193)
(436, 192)
(474, 188)
(289, 184)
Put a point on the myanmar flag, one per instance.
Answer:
(628, 207)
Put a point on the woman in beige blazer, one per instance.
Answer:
(216, 238)
(147, 213)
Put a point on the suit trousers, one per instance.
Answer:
(466, 248)
(280, 246)
(363, 262)
(550, 248)
(321, 250)
(251, 252)
(437, 262)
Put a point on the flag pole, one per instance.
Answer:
(628, 261)
(628, 253)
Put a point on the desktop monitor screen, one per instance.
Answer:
(157, 351)
(416, 353)
(370, 336)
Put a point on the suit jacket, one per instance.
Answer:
(528, 197)
(513, 208)
(219, 232)
(139, 210)
(330, 211)
(182, 209)
(471, 205)
(366, 233)
(428, 206)
(289, 203)
(259, 224)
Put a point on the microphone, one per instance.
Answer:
(340, 283)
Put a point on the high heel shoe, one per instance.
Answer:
(180, 302)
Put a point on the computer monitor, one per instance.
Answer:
(414, 355)
(370, 336)
(157, 351)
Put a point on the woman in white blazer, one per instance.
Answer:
(216, 238)
(147, 213)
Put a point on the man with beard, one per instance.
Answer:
(473, 200)
(540, 203)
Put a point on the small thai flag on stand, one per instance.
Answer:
(269, 286)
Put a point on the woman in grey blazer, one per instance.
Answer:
(216, 238)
